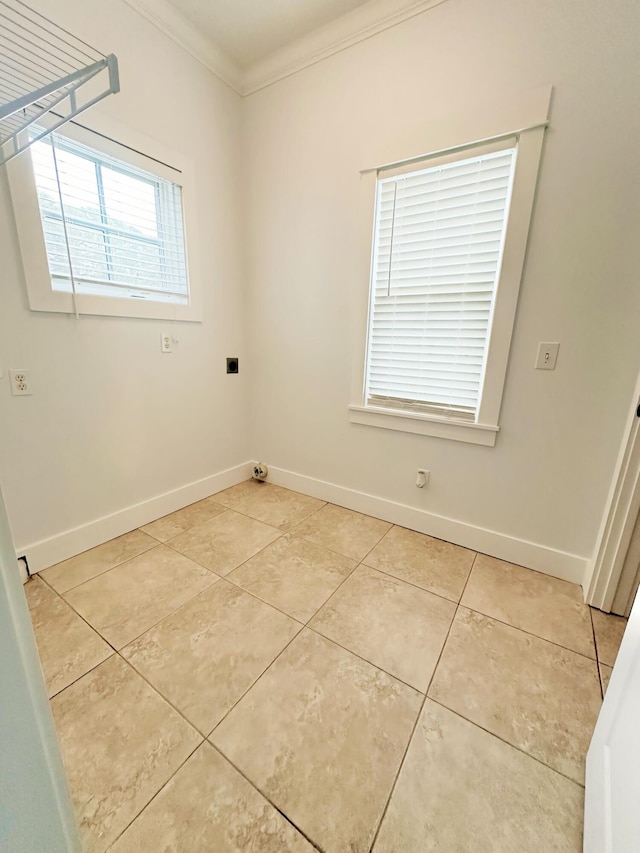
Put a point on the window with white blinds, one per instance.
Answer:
(110, 228)
(438, 241)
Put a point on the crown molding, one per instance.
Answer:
(338, 35)
(169, 21)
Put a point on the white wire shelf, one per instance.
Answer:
(47, 76)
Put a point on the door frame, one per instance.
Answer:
(619, 520)
(35, 806)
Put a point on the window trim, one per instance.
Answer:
(526, 119)
(130, 143)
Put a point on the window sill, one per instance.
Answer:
(58, 301)
(424, 425)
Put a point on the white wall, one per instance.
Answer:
(112, 421)
(307, 136)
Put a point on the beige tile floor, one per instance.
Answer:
(262, 671)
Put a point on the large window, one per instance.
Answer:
(101, 224)
(439, 231)
(443, 250)
(110, 228)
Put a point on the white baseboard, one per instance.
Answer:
(550, 561)
(48, 552)
(559, 564)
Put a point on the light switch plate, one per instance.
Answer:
(547, 356)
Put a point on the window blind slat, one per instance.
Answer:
(437, 248)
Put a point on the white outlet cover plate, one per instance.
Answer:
(547, 356)
(166, 344)
(422, 478)
(20, 383)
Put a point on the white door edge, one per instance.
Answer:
(621, 512)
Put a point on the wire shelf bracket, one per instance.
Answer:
(48, 76)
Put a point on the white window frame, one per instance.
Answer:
(524, 117)
(128, 148)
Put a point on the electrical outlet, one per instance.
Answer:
(20, 382)
(166, 344)
(422, 478)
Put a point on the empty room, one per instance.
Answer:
(319, 426)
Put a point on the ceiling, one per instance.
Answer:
(249, 30)
(250, 44)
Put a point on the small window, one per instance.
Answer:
(110, 229)
(100, 216)
(438, 240)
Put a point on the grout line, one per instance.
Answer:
(415, 585)
(180, 766)
(75, 680)
(280, 533)
(329, 597)
(419, 715)
(62, 593)
(148, 550)
(366, 660)
(254, 595)
(595, 644)
(150, 627)
(325, 547)
(253, 683)
(143, 529)
(171, 612)
(86, 621)
(162, 696)
(272, 485)
(373, 547)
(506, 742)
(226, 758)
(332, 550)
(528, 633)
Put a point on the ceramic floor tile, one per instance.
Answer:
(76, 570)
(128, 600)
(120, 743)
(393, 625)
(204, 656)
(608, 629)
(235, 495)
(322, 734)
(37, 593)
(208, 807)
(461, 789)
(67, 646)
(605, 675)
(225, 542)
(342, 530)
(550, 608)
(175, 523)
(279, 507)
(432, 564)
(294, 575)
(539, 697)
